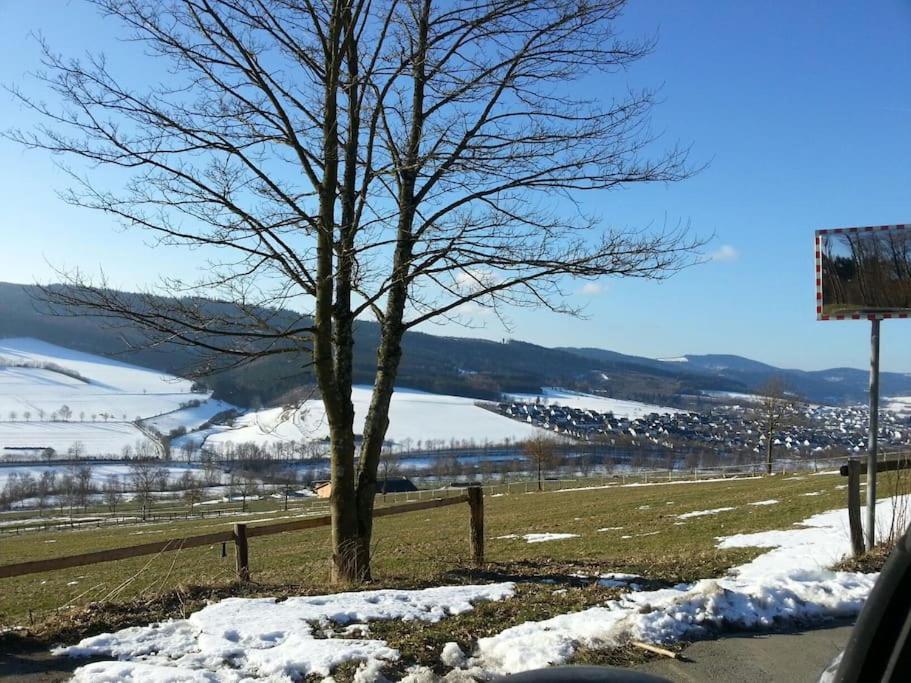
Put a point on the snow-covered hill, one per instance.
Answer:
(414, 416)
(54, 397)
(103, 398)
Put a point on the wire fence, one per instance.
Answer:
(271, 501)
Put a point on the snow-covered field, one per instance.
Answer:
(898, 404)
(102, 397)
(261, 639)
(190, 418)
(732, 396)
(101, 473)
(601, 404)
(413, 416)
(97, 439)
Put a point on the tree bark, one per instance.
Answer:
(769, 450)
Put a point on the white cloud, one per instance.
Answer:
(592, 288)
(471, 280)
(725, 253)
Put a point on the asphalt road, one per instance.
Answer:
(798, 656)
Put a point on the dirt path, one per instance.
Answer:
(798, 656)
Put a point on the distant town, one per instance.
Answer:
(731, 428)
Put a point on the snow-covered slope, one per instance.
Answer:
(601, 404)
(102, 386)
(189, 418)
(102, 398)
(413, 416)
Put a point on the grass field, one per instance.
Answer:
(632, 529)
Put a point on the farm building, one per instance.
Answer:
(323, 489)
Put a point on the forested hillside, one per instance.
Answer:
(450, 365)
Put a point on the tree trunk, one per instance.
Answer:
(347, 566)
(388, 356)
(769, 452)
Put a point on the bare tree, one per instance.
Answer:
(192, 490)
(145, 479)
(76, 450)
(407, 159)
(112, 494)
(68, 492)
(389, 460)
(46, 486)
(775, 410)
(82, 476)
(541, 450)
(249, 486)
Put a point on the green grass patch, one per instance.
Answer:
(643, 535)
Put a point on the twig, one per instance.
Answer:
(655, 649)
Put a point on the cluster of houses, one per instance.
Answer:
(730, 428)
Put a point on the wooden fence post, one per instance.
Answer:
(857, 536)
(241, 554)
(476, 524)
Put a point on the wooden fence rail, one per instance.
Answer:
(853, 471)
(241, 533)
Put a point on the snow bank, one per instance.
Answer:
(240, 638)
(790, 583)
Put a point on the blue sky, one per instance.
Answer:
(802, 111)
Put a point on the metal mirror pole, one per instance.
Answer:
(874, 432)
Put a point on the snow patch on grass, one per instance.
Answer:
(703, 513)
(791, 582)
(241, 638)
(540, 538)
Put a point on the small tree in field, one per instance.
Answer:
(776, 410)
(192, 490)
(409, 160)
(112, 494)
(145, 479)
(541, 451)
(47, 484)
(388, 465)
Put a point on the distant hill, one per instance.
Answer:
(475, 368)
(467, 367)
(834, 386)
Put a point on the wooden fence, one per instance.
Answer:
(240, 534)
(853, 471)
